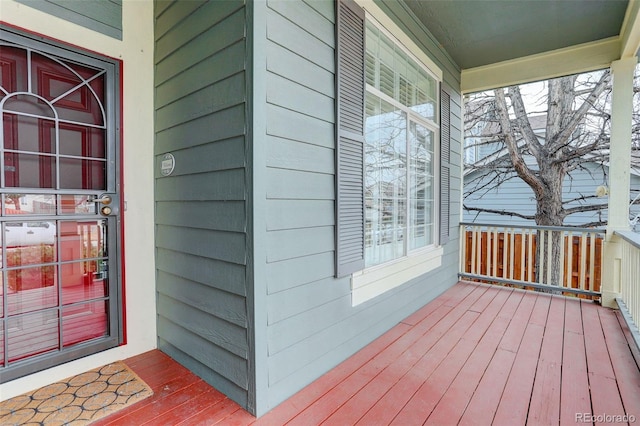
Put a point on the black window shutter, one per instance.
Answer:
(350, 138)
(445, 164)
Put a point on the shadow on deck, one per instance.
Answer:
(477, 354)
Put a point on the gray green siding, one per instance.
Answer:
(311, 324)
(201, 209)
(103, 16)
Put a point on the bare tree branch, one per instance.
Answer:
(585, 208)
(523, 121)
(510, 141)
(594, 224)
(565, 134)
(500, 212)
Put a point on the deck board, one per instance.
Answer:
(606, 398)
(574, 392)
(476, 355)
(519, 320)
(514, 404)
(484, 402)
(624, 367)
(544, 407)
(452, 405)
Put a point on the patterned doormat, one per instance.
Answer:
(78, 400)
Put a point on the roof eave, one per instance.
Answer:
(571, 60)
(630, 32)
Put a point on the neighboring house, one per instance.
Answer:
(513, 195)
(480, 142)
(258, 189)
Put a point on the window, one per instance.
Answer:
(392, 154)
(400, 135)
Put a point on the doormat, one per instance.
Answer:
(78, 400)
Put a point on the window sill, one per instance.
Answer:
(374, 281)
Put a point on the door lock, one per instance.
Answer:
(107, 204)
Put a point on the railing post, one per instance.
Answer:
(611, 261)
(463, 249)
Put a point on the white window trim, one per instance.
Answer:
(376, 280)
(375, 14)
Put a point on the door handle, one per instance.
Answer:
(103, 199)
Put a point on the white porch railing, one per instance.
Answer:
(629, 300)
(557, 258)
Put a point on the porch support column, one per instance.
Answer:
(619, 174)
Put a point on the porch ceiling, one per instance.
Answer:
(501, 42)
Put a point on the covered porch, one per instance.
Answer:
(478, 354)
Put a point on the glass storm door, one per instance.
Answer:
(59, 205)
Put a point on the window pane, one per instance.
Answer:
(83, 246)
(29, 204)
(82, 141)
(84, 322)
(387, 75)
(32, 334)
(77, 204)
(389, 69)
(385, 181)
(405, 85)
(29, 133)
(33, 238)
(420, 186)
(31, 289)
(82, 174)
(27, 104)
(64, 85)
(425, 101)
(371, 41)
(82, 240)
(28, 170)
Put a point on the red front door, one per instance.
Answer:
(58, 205)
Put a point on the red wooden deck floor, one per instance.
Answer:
(477, 355)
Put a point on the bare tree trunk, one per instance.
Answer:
(548, 262)
(550, 212)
